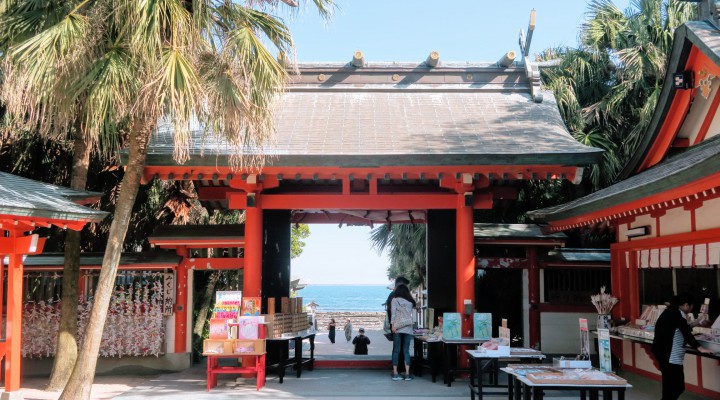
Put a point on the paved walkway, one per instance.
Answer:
(325, 384)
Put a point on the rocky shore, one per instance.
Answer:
(367, 320)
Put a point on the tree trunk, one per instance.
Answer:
(205, 306)
(66, 352)
(80, 382)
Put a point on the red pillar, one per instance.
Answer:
(617, 267)
(633, 293)
(253, 250)
(534, 297)
(13, 330)
(181, 302)
(465, 256)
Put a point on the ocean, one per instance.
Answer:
(332, 298)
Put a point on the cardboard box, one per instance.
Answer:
(248, 347)
(216, 347)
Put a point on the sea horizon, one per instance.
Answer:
(345, 297)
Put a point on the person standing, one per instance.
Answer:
(672, 333)
(400, 280)
(402, 307)
(361, 342)
(331, 330)
(348, 330)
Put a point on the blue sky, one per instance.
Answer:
(404, 30)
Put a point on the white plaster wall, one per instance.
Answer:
(706, 217)
(643, 360)
(710, 373)
(675, 220)
(170, 334)
(645, 220)
(627, 348)
(622, 230)
(696, 116)
(690, 368)
(560, 332)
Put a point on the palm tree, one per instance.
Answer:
(608, 88)
(406, 245)
(177, 60)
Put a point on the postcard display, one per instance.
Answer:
(482, 326)
(232, 329)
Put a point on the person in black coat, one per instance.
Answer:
(361, 342)
(331, 330)
(672, 333)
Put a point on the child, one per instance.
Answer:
(361, 342)
(348, 330)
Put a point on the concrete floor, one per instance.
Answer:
(318, 384)
(341, 383)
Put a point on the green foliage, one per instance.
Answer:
(406, 248)
(607, 89)
(297, 234)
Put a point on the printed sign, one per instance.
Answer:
(584, 339)
(168, 291)
(604, 350)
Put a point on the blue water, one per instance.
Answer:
(345, 297)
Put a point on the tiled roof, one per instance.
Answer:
(565, 255)
(28, 198)
(694, 163)
(467, 115)
(92, 259)
(512, 231)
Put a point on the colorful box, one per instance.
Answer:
(251, 306)
(219, 329)
(247, 327)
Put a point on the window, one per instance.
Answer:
(574, 286)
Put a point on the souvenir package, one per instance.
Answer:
(251, 306)
(219, 329)
(247, 327)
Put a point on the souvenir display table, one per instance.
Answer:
(531, 381)
(431, 359)
(214, 369)
(279, 348)
(482, 362)
(450, 355)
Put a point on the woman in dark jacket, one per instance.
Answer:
(672, 333)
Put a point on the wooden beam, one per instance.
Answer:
(430, 201)
(214, 263)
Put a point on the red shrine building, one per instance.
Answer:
(666, 207)
(24, 206)
(356, 144)
(374, 143)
